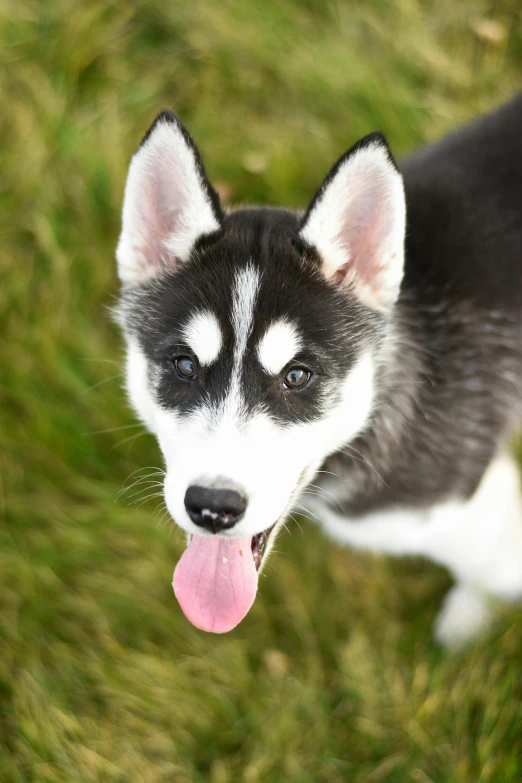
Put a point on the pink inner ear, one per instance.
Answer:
(365, 227)
(167, 205)
(159, 213)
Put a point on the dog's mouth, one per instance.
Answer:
(215, 581)
(258, 545)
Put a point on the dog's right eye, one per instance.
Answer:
(185, 367)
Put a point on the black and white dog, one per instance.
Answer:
(374, 343)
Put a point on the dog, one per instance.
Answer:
(372, 343)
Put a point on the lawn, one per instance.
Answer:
(333, 676)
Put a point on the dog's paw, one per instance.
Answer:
(464, 614)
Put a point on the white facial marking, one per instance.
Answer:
(267, 460)
(246, 287)
(203, 335)
(278, 346)
(259, 455)
(264, 459)
(138, 390)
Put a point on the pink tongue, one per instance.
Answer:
(215, 582)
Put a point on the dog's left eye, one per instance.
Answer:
(185, 367)
(297, 377)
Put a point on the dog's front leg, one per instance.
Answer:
(396, 532)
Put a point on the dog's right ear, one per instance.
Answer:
(169, 203)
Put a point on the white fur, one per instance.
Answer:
(253, 452)
(165, 209)
(278, 346)
(246, 286)
(464, 614)
(358, 226)
(203, 335)
(245, 290)
(137, 382)
(479, 541)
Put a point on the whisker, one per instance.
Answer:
(97, 385)
(161, 514)
(292, 517)
(116, 429)
(298, 525)
(127, 440)
(305, 512)
(353, 451)
(146, 467)
(338, 508)
(330, 473)
(142, 480)
(155, 472)
(327, 492)
(286, 527)
(396, 412)
(178, 531)
(145, 488)
(139, 503)
(161, 518)
(104, 361)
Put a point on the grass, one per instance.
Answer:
(333, 676)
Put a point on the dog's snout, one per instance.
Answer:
(214, 509)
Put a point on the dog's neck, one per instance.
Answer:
(401, 369)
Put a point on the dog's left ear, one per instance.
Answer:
(356, 222)
(169, 203)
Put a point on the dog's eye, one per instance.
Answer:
(185, 367)
(297, 377)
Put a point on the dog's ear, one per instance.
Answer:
(168, 205)
(356, 222)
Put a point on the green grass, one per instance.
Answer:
(333, 676)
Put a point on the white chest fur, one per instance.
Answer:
(480, 541)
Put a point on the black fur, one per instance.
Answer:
(452, 389)
(449, 383)
(335, 326)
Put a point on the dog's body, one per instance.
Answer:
(334, 344)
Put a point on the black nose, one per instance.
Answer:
(214, 509)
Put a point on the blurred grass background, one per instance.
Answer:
(333, 676)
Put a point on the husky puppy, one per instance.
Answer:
(373, 342)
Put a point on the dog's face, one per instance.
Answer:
(252, 336)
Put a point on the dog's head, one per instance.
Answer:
(252, 336)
